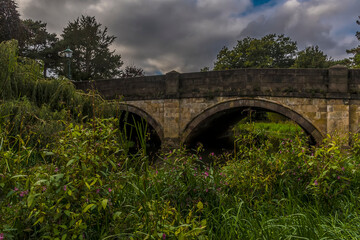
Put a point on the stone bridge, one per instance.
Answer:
(182, 107)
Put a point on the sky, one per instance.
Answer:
(186, 35)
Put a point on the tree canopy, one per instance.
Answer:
(271, 51)
(92, 57)
(40, 44)
(356, 51)
(311, 57)
(10, 23)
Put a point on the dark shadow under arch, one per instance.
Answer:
(232, 109)
(150, 120)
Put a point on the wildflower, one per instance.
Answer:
(343, 168)
(164, 236)
(56, 170)
(212, 154)
(119, 164)
(110, 189)
(206, 190)
(65, 187)
(338, 177)
(16, 189)
(206, 174)
(97, 190)
(24, 193)
(2, 236)
(316, 183)
(156, 172)
(44, 188)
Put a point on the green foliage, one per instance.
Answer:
(311, 57)
(39, 44)
(33, 106)
(86, 185)
(271, 51)
(356, 50)
(92, 58)
(10, 23)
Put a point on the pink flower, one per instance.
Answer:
(97, 190)
(343, 168)
(44, 189)
(2, 236)
(206, 174)
(212, 154)
(119, 164)
(164, 236)
(109, 189)
(65, 187)
(200, 158)
(156, 172)
(206, 190)
(22, 194)
(56, 170)
(338, 177)
(16, 189)
(316, 183)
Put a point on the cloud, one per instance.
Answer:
(317, 22)
(186, 35)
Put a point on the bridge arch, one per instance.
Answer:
(232, 106)
(147, 117)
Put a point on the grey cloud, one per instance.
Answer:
(308, 23)
(185, 35)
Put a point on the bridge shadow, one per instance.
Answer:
(216, 133)
(138, 134)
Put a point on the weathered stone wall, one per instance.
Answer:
(323, 101)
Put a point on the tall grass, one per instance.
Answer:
(67, 172)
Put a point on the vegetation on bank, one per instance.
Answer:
(66, 172)
(86, 185)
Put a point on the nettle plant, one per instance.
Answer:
(319, 173)
(72, 194)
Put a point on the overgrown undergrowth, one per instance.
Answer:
(86, 185)
(66, 172)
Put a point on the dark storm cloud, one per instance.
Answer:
(185, 35)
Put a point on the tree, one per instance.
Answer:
(92, 58)
(356, 51)
(311, 57)
(132, 71)
(271, 51)
(10, 23)
(40, 44)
